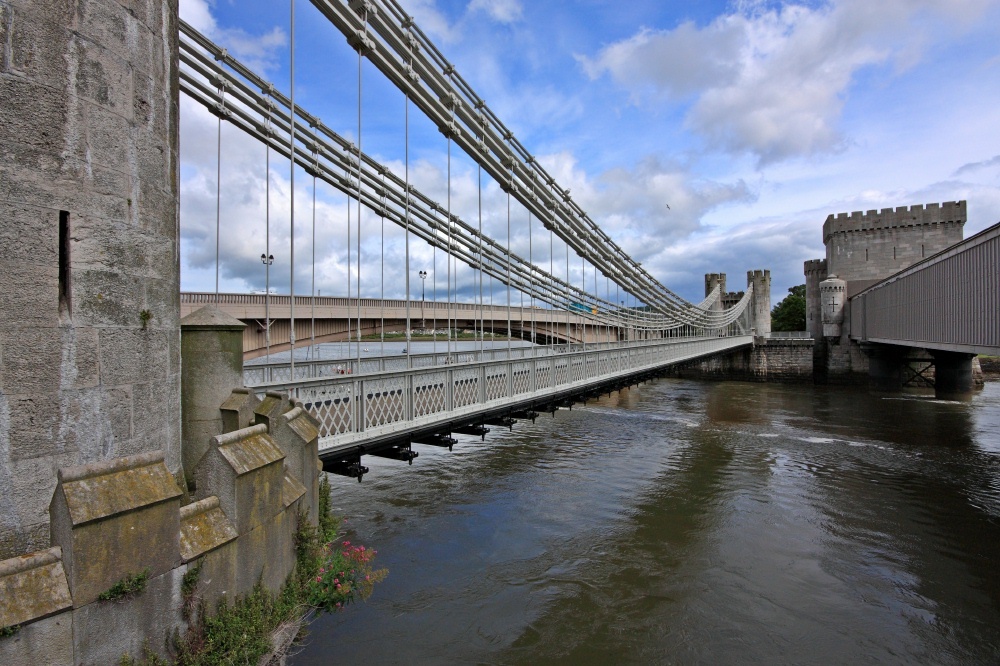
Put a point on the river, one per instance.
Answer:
(688, 522)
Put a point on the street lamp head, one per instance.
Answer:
(267, 259)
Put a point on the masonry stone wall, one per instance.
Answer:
(89, 342)
(124, 516)
(770, 360)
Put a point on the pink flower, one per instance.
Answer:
(319, 579)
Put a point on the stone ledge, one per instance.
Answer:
(33, 587)
(95, 491)
(204, 527)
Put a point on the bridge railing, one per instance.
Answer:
(258, 374)
(790, 335)
(355, 408)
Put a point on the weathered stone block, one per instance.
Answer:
(32, 587)
(115, 518)
(52, 637)
(208, 541)
(104, 631)
(271, 406)
(267, 553)
(128, 354)
(245, 469)
(106, 298)
(212, 353)
(238, 409)
(39, 224)
(31, 298)
(204, 527)
(25, 493)
(291, 490)
(297, 433)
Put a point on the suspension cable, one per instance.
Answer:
(218, 188)
(434, 277)
(350, 322)
(508, 275)
(482, 314)
(312, 327)
(448, 255)
(291, 148)
(406, 170)
(381, 349)
(267, 245)
(360, 48)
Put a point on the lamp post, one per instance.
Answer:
(624, 323)
(267, 260)
(423, 322)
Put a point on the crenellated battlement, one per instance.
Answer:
(815, 266)
(949, 212)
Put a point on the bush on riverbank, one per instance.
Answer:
(327, 577)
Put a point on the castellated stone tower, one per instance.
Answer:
(713, 280)
(815, 270)
(761, 282)
(862, 249)
(89, 290)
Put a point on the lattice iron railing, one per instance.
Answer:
(354, 408)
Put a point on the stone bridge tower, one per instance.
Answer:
(89, 333)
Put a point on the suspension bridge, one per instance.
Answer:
(606, 325)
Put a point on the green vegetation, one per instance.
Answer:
(126, 588)
(7, 632)
(790, 313)
(144, 317)
(326, 577)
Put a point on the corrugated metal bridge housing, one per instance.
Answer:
(948, 304)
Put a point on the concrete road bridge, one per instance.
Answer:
(335, 319)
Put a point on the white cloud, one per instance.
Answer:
(649, 208)
(431, 20)
(770, 81)
(258, 52)
(503, 11)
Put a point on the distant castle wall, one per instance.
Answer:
(769, 360)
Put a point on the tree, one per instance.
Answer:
(790, 313)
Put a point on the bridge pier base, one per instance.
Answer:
(952, 375)
(885, 366)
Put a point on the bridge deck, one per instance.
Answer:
(377, 409)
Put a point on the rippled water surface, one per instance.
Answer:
(686, 522)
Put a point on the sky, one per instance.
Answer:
(703, 136)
